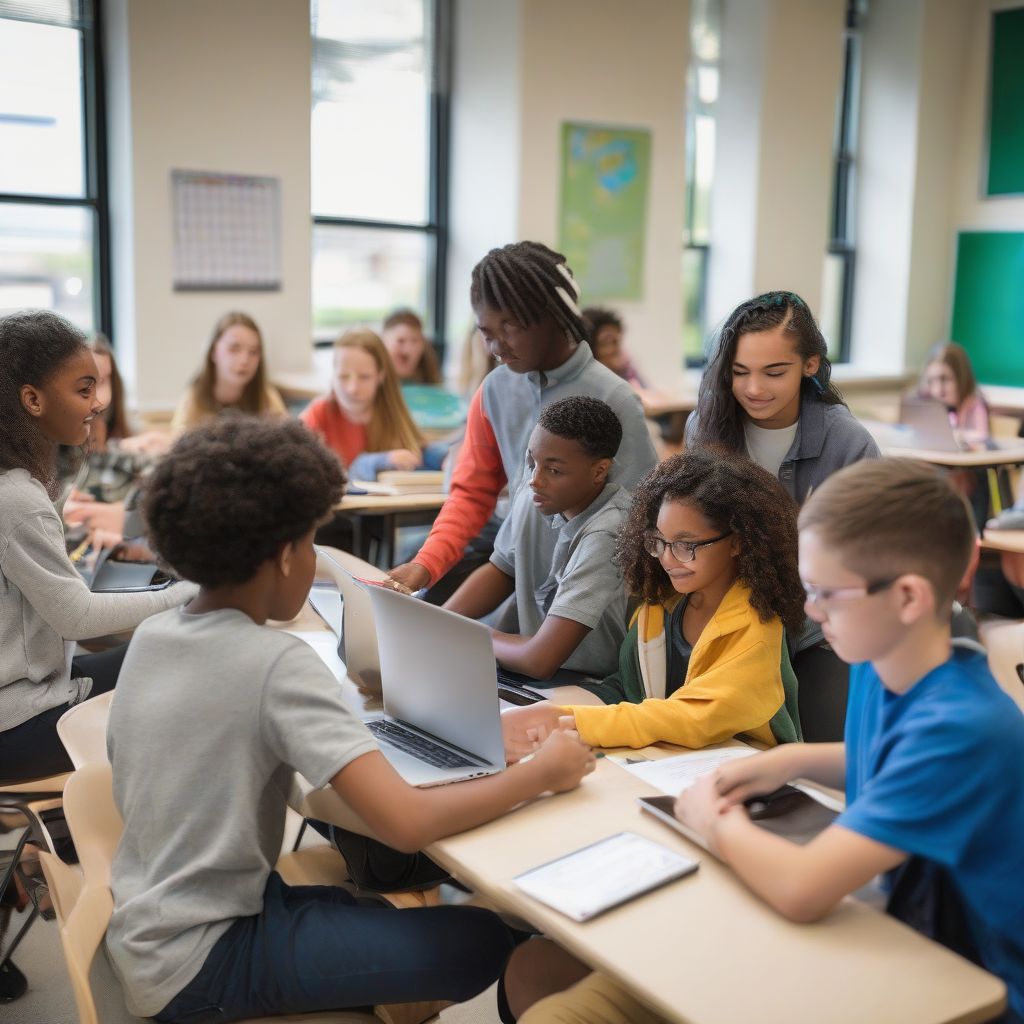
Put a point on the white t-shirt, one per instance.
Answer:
(212, 715)
(769, 447)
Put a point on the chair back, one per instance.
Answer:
(823, 680)
(83, 730)
(358, 643)
(93, 820)
(83, 913)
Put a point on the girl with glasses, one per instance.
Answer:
(710, 550)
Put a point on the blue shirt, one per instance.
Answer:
(938, 772)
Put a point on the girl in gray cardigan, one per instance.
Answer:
(767, 393)
(48, 398)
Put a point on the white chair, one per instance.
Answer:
(1004, 641)
(83, 730)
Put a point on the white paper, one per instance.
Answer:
(672, 775)
(603, 875)
(325, 643)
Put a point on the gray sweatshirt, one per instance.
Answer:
(44, 602)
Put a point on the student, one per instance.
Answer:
(413, 357)
(48, 398)
(525, 301)
(364, 419)
(934, 749)
(104, 484)
(710, 549)
(949, 378)
(569, 611)
(604, 335)
(201, 920)
(767, 391)
(233, 376)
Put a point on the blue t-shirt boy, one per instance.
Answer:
(938, 772)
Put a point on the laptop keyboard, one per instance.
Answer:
(419, 746)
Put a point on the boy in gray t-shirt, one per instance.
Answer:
(555, 551)
(214, 712)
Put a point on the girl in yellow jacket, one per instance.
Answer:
(710, 549)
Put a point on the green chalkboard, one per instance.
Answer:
(1006, 105)
(988, 304)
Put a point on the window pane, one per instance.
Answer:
(361, 274)
(695, 269)
(371, 109)
(830, 318)
(41, 144)
(46, 260)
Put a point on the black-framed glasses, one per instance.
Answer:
(821, 595)
(682, 550)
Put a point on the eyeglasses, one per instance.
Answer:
(682, 550)
(822, 595)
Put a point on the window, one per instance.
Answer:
(53, 214)
(840, 258)
(701, 96)
(379, 158)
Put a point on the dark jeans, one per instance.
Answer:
(33, 750)
(314, 949)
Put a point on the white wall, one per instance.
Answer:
(219, 86)
(781, 67)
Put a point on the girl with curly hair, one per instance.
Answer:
(710, 549)
(767, 392)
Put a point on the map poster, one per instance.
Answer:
(605, 173)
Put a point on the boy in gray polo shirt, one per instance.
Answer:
(570, 606)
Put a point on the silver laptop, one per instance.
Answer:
(441, 720)
(928, 424)
(345, 607)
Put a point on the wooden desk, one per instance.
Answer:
(1004, 400)
(657, 404)
(1010, 455)
(394, 512)
(1003, 540)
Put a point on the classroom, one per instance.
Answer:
(511, 510)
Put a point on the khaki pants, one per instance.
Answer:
(594, 1000)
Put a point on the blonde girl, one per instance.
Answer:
(949, 378)
(233, 376)
(364, 419)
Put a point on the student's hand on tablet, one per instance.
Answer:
(404, 459)
(736, 781)
(411, 575)
(701, 806)
(564, 759)
(525, 729)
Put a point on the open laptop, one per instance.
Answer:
(441, 720)
(928, 426)
(345, 607)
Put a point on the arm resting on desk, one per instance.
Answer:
(409, 819)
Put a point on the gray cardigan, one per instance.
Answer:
(44, 602)
(828, 437)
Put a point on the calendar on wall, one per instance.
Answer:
(227, 232)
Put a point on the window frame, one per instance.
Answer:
(94, 157)
(436, 226)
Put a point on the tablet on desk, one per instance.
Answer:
(604, 874)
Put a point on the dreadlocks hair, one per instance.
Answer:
(719, 416)
(531, 282)
(735, 496)
(33, 345)
(233, 491)
(587, 421)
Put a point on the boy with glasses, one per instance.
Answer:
(934, 754)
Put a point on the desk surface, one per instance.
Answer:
(705, 950)
(1003, 540)
(1011, 455)
(657, 404)
(386, 504)
(1006, 400)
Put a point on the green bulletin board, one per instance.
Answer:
(1005, 174)
(603, 212)
(988, 304)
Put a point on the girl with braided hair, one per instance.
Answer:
(767, 392)
(525, 300)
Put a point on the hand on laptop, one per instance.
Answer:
(525, 729)
(564, 759)
(411, 575)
